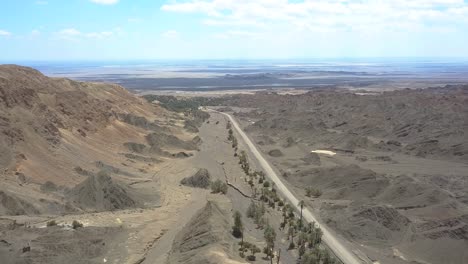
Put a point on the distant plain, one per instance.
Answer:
(213, 75)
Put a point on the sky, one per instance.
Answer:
(231, 29)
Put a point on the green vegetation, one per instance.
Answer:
(301, 204)
(249, 247)
(317, 256)
(187, 105)
(302, 250)
(230, 134)
(251, 210)
(181, 104)
(76, 224)
(302, 236)
(234, 142)
(280, 203)
(270, 238)
(219, 187)
(256, 212)
(51, 223)
(231, 137)
(243, 161)
(238, 228)
(312, 192)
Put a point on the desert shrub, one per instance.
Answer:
(251, 258)
(282, 225)
(251, 210)
(76, 224)
(219, 187)
(313, 192)
(238, 227)
(291, 245)
(179, 104)
(260, 221)
(280, 202)
(251, 183)
(290, 212)
(302, 251)
(317, 193)
(244, 244)
(271, 204)
(266, 184)
(234, 142)
(224, 188)
(51, 223)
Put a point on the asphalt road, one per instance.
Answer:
(341, 251)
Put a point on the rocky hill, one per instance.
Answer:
(425, 123)
(206, 239)
(59, 132)
(389, 169)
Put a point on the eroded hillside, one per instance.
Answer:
(80, 159)
(56, 132)
(386, 170)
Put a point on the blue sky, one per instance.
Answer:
(231, 29)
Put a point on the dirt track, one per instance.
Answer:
(345, 254)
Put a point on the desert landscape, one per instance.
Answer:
(387, 171)
(234, 132)
(92, 173)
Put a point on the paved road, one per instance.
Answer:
(343, 253)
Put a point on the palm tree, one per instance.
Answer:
(238, 228)
(302, 250)
(270, 237)
(301, 204)
(279, 256)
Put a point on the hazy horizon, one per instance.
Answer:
(262, 74)
(249, 60)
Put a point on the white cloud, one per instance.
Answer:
(69, 32)
(41, 2)
(100, 35)
(35, 33)
(236, 34)
(328, 15)
(74, 34)
(105, 2)
(170, 34)
(4, 33)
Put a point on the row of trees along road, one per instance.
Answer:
(304, 237)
